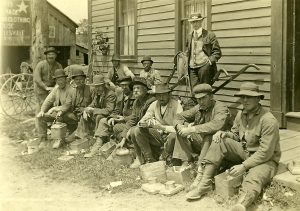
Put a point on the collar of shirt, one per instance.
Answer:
(199, 32)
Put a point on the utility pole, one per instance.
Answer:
(40, 30)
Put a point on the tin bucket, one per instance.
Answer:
(58, 130)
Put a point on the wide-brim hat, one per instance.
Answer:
(124, 80)
(58, 73)
(249, 89)
(159, 89)
(115, 57)
(77, 72)
(97, 80)
(195, 17)
(201, 90)
(51, 49)
(147, 58)
(140, 81)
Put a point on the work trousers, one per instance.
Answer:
(148, 143)
(190, 149)
(201, 75)
(87, 126)
(69, 118)
(230, 150)
(40, 98)
(105, 130)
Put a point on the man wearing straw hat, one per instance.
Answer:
(117, 71)
(203, 51)
(52, 107)
(154, 127)
(149, 73)
(103, 103)
(252, 145)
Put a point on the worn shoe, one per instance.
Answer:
(136, 164)
(238, 207)
(57, 144)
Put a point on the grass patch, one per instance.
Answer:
(95, 172)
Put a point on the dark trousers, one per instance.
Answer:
(204, 74)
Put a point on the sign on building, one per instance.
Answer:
(16, 23)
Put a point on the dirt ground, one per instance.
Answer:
(32, 190)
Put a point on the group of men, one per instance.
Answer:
(140, 112)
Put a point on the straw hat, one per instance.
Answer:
(249, 89)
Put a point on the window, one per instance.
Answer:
(51, 31)
(126, 28)
(187, 7)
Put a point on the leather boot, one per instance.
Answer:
(244, 201)
(95, 148)
(197, 179)
(205, 185)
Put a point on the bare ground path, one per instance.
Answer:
(31, 190)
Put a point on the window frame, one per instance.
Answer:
(117, 45)
(180, 40)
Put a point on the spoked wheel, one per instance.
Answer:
(17, 96)
(5, 77)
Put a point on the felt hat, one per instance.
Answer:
(146, 58)
(140, 81)
(201, 90)
(77, 72)
(51, 49)
(196, 17)
(125, 80)
(115, 57)
(58, 73)
(98, 80)
(159, 89)
(249, 89)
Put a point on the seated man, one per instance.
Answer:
(252, 145)
(52, 107)
(148, 136)
(103, 103)
(142, 101)
(203, 120)
(79, 96)
(149, 73)
(117, 71)
(116, 121)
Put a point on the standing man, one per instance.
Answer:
(149, 73)
(52, 107)
(43, 79)
(203, 52)
(152, 130)
(252, 145)
(117, 71)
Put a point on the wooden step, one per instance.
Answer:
(293, 121)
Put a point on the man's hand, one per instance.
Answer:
(49, 88)
(185, 131)
(219, 136)
(237, 170)
(121, 144)
(111, 122)
(84, 115)
(40, 114)
(89, 110)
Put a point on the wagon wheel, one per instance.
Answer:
(17, 96)
(4, 78)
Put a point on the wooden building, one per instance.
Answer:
(261, 32)
(16, 36)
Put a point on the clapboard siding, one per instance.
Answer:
(243, 29)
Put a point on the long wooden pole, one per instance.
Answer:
(40, 30)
